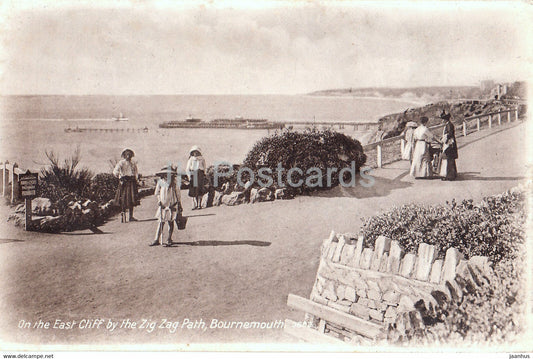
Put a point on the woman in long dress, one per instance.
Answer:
(126, 196)
(407, 151)
(196, 173)
(422, 137)
(448, 168)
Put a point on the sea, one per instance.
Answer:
(32, 126)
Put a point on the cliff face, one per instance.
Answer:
(392, 125)
(436, 92)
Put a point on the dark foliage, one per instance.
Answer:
(61, 179)
(305, 150)
(491, 228)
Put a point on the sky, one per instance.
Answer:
(260, 47)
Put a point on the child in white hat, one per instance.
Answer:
(169, 203)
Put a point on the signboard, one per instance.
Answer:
(28, 184)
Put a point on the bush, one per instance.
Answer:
(58, 180)
(494, 310)
(492, 228)
(102, 187)
(306, 150)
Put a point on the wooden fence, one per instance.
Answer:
(389, 150)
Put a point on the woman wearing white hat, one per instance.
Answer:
(196, 173)
(126, 171)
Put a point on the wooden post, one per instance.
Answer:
(490, 121)
(499, 119)
(378, 158)
(478, 123)
(4, 179)
(27, 212)
(516, 114)
(14, 181)
(509, 116)
(464, 128)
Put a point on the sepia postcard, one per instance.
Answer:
(341, 177)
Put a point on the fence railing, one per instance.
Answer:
(9, 180)
(389, 150)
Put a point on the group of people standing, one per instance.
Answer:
(418, 149)
(169, 207)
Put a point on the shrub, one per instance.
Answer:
(61, 179)
(305, 150)
(492, 228)
(102, 187)
(493, 311)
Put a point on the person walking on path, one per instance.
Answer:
(422, 136)
(126, 196)
(196, 172)
(168, 202)
(448, 168)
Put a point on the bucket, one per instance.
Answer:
(181, 221)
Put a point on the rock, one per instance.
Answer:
(366, 258)
(406, 304)
(453, 256)
(395, 255)
(347, 253)
(203, 202)
(384, 261)
(340, 291)
(208, 197)
(376, 314)
(436, 270)
(358, 252)
(361, 293)
(283, 193)
(254, 195)
(360, 311)
(338, 251)
(381, 246)
(42, 206)
(373, 294)
(426, 256)
(408, 265)
(233, 199)
(391, 296)
(226, 188)
(350, 294)
(329, 292)
(373, 304)
(260, 195)
(482, 263)
(391, 312)
(217, 201)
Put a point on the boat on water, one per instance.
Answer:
(236, 123)
(120, 117)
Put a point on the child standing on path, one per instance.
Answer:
(169, 203)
